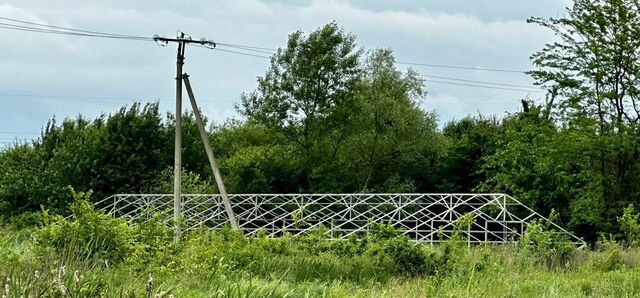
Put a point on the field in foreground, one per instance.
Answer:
(95, 255)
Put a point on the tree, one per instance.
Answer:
(593, 74)
(594, 69)
(122, 152)
(307, 94)
(469, 141)
(392, 141)
(132, 151)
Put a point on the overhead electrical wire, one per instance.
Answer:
(19, 133)
(96, 98)
(74, 30)
(59, 32)
(485, 87)
(263, 50)
(479, 82)
(271, 51)
(234, 52)
(241, 49)
(248, 48)
(462, 67)
(533, 88)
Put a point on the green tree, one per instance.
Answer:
(469, 140)
(541, 165)
(392, 141)
(593, 74)
(307, 93)
(132, 151)
(122, 152)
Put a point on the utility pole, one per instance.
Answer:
(182, 40)
(177, 152)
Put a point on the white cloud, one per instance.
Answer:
(45, 64)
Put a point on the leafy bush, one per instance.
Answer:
(611, 254)
(154, 244)
(25, 220)
(630, 226)
(388, 245)
(202, 254)
(408, 258)
(453, 251)
(383, 231)
(89, 233)
(542, 244)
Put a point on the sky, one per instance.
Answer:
(45, 75)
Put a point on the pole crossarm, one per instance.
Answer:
(498, 218)
(184, 40)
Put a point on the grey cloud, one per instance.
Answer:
(475, 33)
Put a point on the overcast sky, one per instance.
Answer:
(471, 33)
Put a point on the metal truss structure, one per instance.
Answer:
(498, 218)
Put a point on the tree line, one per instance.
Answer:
(328, 116)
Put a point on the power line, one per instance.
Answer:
(534, 89)
(231, 51)
(241, 53)
(480, 82)
(248, 47)
(461, 67)
(19, 133)
(51, 29)
(94, 98)
(57, 32)
(262, 50)
(72, 29)
(271, 51)
(485, 87)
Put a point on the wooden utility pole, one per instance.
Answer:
(182, 42)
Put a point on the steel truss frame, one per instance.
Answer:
(499, 218)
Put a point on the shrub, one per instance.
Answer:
(611, 257)
(387, 244)
(383, 231)
(202, 254)
(26, 220)
(9, 255)
(89, 233)
(155, 243)
(630, 226)
(408, 258)
(453, 251)
(540, 243)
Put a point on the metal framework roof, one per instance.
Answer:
(499, 218)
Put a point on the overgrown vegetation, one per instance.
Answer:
(93, 254)
(329, 116)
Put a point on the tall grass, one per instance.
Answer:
(67, 259)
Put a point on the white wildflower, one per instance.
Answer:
(63, 289)
(150, 285)
(62, 271)
(6, 289)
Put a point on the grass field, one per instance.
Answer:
(96, 255)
